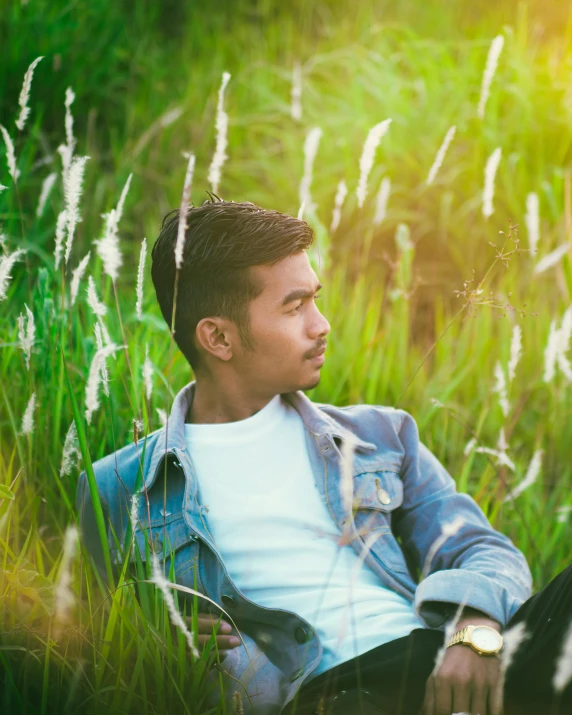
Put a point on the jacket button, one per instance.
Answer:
(383, 496)
(228, 601)
(301, 635)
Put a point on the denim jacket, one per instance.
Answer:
(403, 497)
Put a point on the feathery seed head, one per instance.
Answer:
(296, 106)
(381, 201)
(99, 309)
(310, 150)
(489, 188)
(374, 137)
(552, 259)
(77, 275)
(10, 155)
(72, 192)
(563, 671)
(26, 334)
(140, 277)
(25, 94)
(219, 156)
(28, 418)
(71, 452)
(341, 193)
(91, 390)
(183, 211)
(6, 263)
(532, 221)
(148, 373)
(490, 69)
(47, 186)
(441, 155)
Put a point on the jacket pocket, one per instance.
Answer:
(377, 494)
(173, 543)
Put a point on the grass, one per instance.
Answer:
(420, 66)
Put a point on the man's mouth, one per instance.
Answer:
(317, 356)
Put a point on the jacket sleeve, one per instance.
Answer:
(471, 563)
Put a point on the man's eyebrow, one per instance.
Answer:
(298, 293)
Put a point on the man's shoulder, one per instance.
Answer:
(366, 417)
(124, 463)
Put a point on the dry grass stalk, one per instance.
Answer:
(490, 69)
(183, 211)
(25, 94)
(310, 150)
(563, 672)
(381, 201)
(28, 418)
(489, 188)
(532, 221)
(237, 703)
(77, 275)
(65, 597)
(148, 373)
(92, 385)
(296, 94)
(374, 137)
(163, 585)
(140, 278)
(552, 259)
(10, 155)
(72, 193)
(26, 333)
(71, 452)
(47, 186)
(341, 193)
(531, 476)
(441, 155)
(219, 156)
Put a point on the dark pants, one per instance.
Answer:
(396, 672)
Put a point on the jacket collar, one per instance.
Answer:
(172, 437)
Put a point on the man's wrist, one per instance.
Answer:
(473, 617)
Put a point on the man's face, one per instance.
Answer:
(287, 330)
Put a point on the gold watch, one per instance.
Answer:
(482, 639)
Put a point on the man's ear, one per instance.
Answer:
(216, 336)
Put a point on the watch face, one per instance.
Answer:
(486, 639)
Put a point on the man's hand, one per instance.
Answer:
(205, 626)
(466, 682)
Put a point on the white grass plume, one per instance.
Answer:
(513, 638)
(47, 186)
(471, 444)
(133, 514)
(6, 263)
(70, 139)
(489, 188)
(176, 619)
(532, 221)
(447, 531)
(449, 632)
(296, 93)
(140, 278)
(99, 309)
(490, 69)
(92, 386)
(341, 193)
(64, 596)
(551, 352)
(77, 275)
(515, 351)
(564, 335)
(10, 155)
(563, 671)
(183, 211)
(381, 201)
(61, 224)
(71, 452)
(26, 334)
(72, 191)
(441, 155)
(148, 373)
(552, 259)
(310, 150)
(2, 187)
(162, 416)
(531, 476)
(108, 245)
(501, 389)
(28, 418)
(99, 344)
(374, 137)
(219, 156)
(25, 94)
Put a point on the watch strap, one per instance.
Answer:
(458, 637)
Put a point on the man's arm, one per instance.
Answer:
(476, 566)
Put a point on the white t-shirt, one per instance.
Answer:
(271, 527)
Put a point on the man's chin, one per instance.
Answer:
(311, 383)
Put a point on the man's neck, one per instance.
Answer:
(223, 403)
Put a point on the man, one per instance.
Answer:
(246, 490)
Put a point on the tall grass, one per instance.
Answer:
(400, 336)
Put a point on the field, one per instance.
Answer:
(430, 286)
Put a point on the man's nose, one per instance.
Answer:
(321, 327)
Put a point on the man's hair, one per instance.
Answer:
(222, 241)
